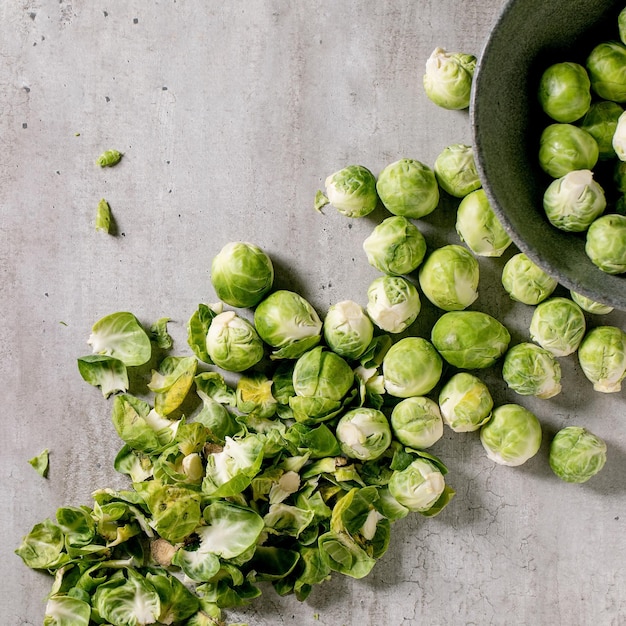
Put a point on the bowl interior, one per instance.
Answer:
(507, 121)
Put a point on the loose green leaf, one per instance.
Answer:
(106, 372)
(41, 463)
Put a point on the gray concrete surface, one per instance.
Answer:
(230, 116)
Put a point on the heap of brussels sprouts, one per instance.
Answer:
(583, 149)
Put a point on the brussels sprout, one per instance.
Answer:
(558, 325)
(465, 403)
(606, 243)
(511, 436)
(411, 367)
(573, 201)
(347, 329)
(530, 370)
(621, 25)
(448, 78)
(393, 303)
(416, 422)
(322, 373)
(565, 91)
(619, 138)
(455, 170)
(363, 433)
(241, 274)
(395, 246)
(351, 190)
(576, 454)
(600, 122)
(449, 277)
(470, 339)
(565, 147)
(289, 323)
(232, 342)
(409, 188)
(418, 486)
(602, 357)
(606, 65)
(478, 226)
(526, 282)
(589, 305)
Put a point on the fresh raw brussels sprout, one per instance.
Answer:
(470, 339)
(512, 435)
(363, 433)
(526, 282)
(395, 246)
(448, 78)
(241, 274)
(351, 190)
(288, 323)
(565, 91)
(347, 329)
(576, 454)
(409, 188)
(478, 226)
(558, 325)
(600, 122)
(418, 486)
(564, 148)
(621, 25)
(449, 277)
(589, 305)
(465, 403)
(411, 367)
(393, 303)
(573, 201)
(606, 65)
(416, 422)
(232, 342)
(530, 370)
(456, 171)
(619, 138)
(606, 243)
(602, 357)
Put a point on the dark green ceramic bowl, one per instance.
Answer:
(507, 121)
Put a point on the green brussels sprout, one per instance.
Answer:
(600, 122)
(363, 433)
(606, 65)
(448, 78)
(455, 170)
(511, 436)
(621, 25)
(530, 370)
(573, 201)
(320, 372)
(393, 303)
(465, 403)
(565, 147)
(558, 325)
(232, 342)
(449, 277)
(416, 422)
(347, 329)
(395, 246)
(241, 274)
(411, 367)
(289, 323)
(409, 188)
(619, 138)
(602, 358)
(589, 305)
(526, 282)
(470, 339)
(418, 486)
(478, 226)
(606, 243)
(351, 190)
(576, 454)
(565, 91)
